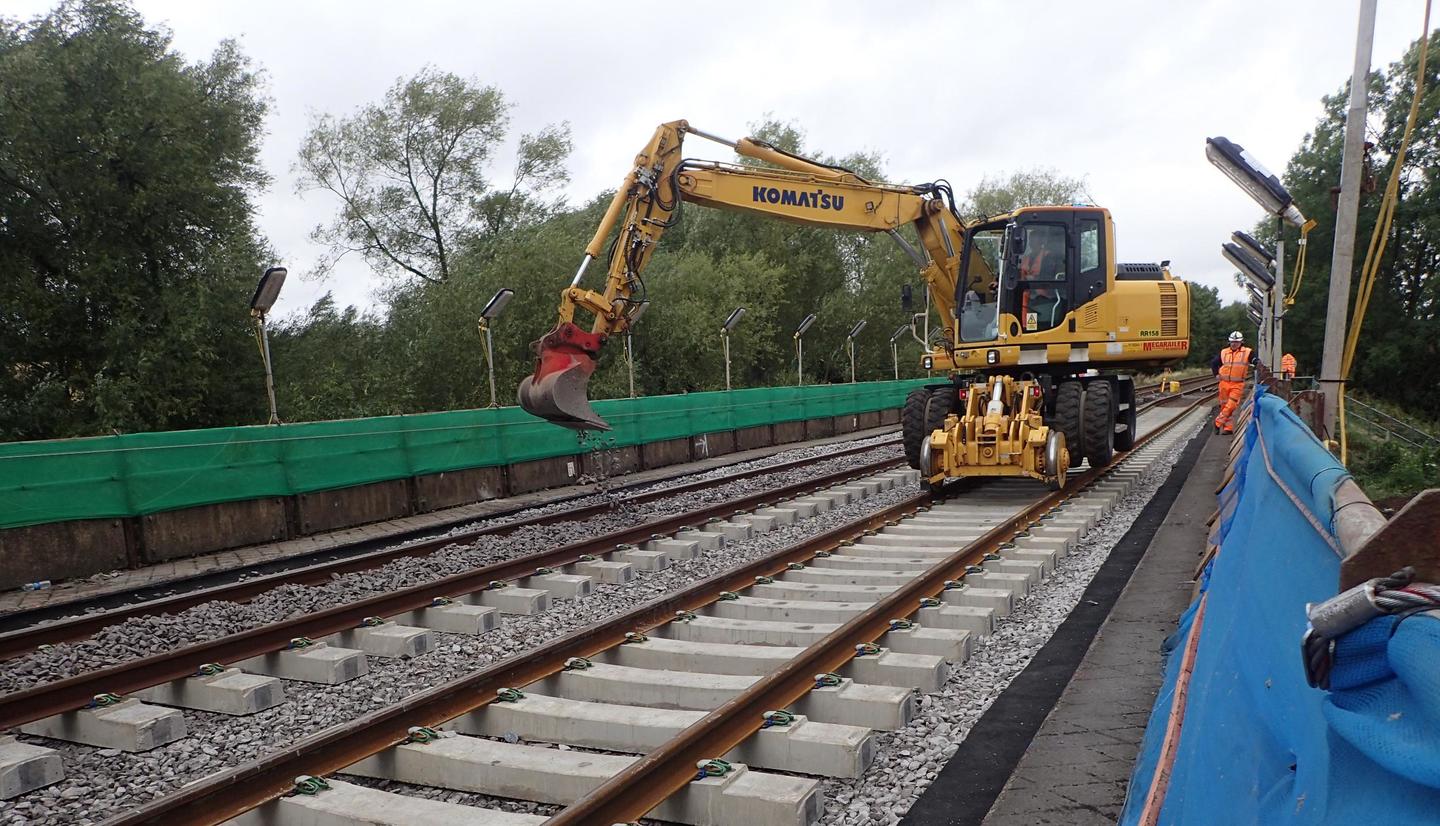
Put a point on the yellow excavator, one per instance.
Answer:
(1032, 307)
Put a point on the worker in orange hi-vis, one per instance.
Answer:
(1287, 367)
(1232, 367)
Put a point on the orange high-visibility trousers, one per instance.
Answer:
(1229, 401)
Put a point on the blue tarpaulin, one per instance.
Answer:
(1258, 744)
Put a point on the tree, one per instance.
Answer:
(998, 195)
(126, 242)
(332, 365)
(413, 174)
(1398, 357)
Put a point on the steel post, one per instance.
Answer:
(269, 373)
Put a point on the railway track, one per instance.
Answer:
(351, 622)
(745, 640)
(24, 631)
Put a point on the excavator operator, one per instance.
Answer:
(1042, 264)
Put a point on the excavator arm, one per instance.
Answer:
(649, 201)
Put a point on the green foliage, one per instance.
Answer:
(333, 364)
(412, 175)
(1386, 468)
(1210, 325)
(1031, 187)
(1399, 353)
(125, 235)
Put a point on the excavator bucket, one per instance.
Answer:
(557, 390)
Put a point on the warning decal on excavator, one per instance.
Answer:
(1032, 320)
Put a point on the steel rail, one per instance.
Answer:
(647, 782)
(16, 643)
(75, 692)
(229, 793)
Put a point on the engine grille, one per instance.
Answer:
(1169, 311)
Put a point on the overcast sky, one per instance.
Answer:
(1123, 93)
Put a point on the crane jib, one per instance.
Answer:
(818, 199)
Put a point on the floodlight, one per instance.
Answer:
(497, 304)
(267, 290)
(899, 331)
(1248, 266)
(1250, 244)
(492, 311)
(1250, 175)
(850, 345)
(735, 316)
(804, 325)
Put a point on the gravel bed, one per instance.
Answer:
(607, 495)
(101, 783)
(147, 635)
(906, 761)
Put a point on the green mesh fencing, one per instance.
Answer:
(140, 473)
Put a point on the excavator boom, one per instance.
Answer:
(648, 202)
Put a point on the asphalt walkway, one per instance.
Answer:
(1077, 768)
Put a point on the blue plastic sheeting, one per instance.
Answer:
(1258, 745)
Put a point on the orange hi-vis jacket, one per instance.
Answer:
(1287, 363)
(1234, 364)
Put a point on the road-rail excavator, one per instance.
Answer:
(1037, 320)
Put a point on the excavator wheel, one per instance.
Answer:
(1099, 423)
(912, 422)
(924, 413)
(1069, 397)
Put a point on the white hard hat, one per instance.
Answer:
(1235, 336)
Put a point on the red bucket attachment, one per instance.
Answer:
(557, 391)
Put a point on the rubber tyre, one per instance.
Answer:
(1099, 423)
(912, 424)
(924, 412)
(1066, 418)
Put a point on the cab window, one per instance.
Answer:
(1041, 289)
(1089, 245)
(978, 302)
(1090, 279)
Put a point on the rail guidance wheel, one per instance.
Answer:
(1057, 462)
(924, 413)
